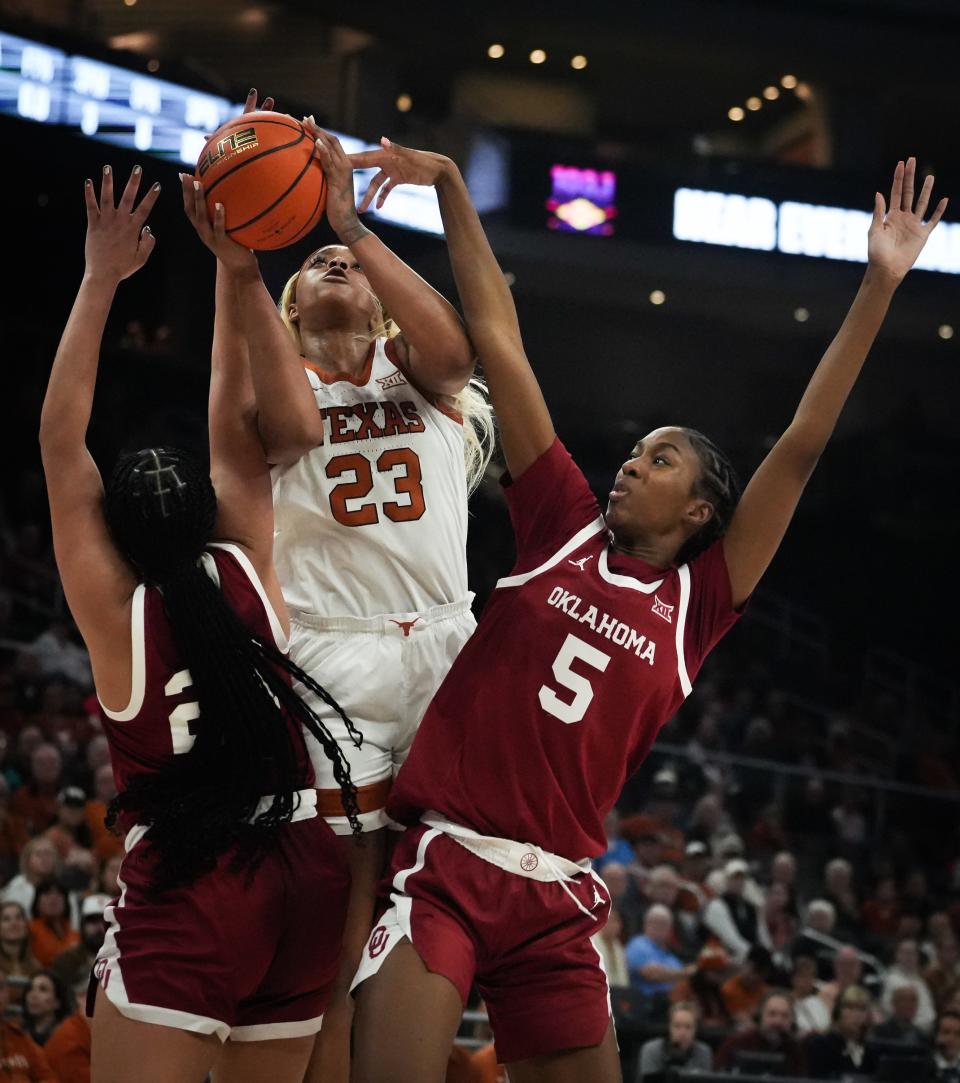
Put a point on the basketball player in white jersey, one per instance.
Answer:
(373, 460)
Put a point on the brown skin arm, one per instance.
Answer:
(433, 346)
(97, 581)
(287, 418)
(895, 240)
(238, 465)
(526, 429)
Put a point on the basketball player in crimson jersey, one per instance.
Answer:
(373, 460)
(229, 924)
(585, 649)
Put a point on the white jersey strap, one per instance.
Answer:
(571, 546)
(138, 654)
(683, 573)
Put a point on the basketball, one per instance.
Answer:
(261, 167)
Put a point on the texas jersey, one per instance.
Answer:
(580, 657)
(374, 519)
(162, 718)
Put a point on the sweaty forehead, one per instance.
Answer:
(669, 434)
(327, 249)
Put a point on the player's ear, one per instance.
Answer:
(292, 314)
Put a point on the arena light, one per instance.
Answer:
(795, 229)
(495, 51)
(138, 112)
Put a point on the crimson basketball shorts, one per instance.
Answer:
(241, 956)
(383, 671)
(522, 939)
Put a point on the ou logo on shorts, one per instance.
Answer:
(529, 862)
(378, 941)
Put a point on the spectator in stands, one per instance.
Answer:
(654, 969)
(906, 971)
(766, 834)
(17, 964)
(624, 896)
(842, 1051)
(881, 912)
(732, 919)
(850, 826)
(105, 842)
(47, 1004)
(36, 801)
(847, 970)
(59, 656)
(13, 833)
(943, 976)
(744, 992)
(811, 1009)
(780, 921)
(607, 942)
(816, 935)
(51, 931)
(773, 1035)
(704, 987)
(39, 861)
(618, 849)
(902, 1024)
(946, 1055)
(680, 1049)
(70, 829)
(74, 964)
(915, 898)
(21, 1059)
(709, 820)
(838, 889)
(939, 928)
(783, 870)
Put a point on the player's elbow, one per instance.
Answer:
(286, 445)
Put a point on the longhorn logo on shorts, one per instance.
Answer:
(378, 941)
(529, 862)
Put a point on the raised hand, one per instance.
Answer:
(397, 165)
(897, 236)
(233, 256)
(341, 208)
(250, 105)
(119, 241)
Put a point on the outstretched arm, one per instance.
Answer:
(895, 240)
(97, 582)
(525, 427)
(433, 345)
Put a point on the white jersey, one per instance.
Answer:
(374, 519)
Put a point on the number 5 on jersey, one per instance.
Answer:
(573, 650)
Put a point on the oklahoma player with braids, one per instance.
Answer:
(234, 890)
(375, 450)
(585, 649)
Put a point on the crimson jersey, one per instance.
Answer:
(162, 717)
(581, 655)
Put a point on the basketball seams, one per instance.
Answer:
(299, 177)
(314, 214)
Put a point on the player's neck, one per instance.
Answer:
(657, 552)
(335, 350)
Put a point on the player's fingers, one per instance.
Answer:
(908, 175)
(923, 199)
(385, 191)
(146, 204)
(938, 213)
(267, 104)
(106, 190)
(199, 205)
(879, 209)
(251, 103)
(146, 245)
(371, 191)
(219, 222)
(130, 189)
(90, 201)
(366, 159)
(896, 189)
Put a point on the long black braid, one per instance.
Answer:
(160, 507)
(718, 483)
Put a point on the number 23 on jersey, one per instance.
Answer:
(403, 466)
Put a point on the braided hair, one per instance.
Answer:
(160, 507)
(719, 485)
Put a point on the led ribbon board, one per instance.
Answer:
(795, 229)
(140, 112)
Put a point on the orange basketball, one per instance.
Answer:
(260, 166)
